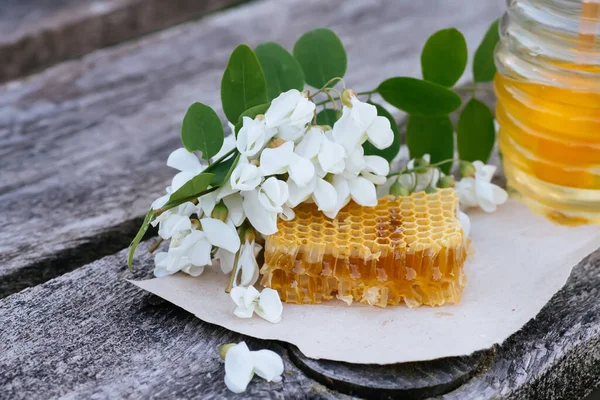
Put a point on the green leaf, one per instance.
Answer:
(251, 113)
(444, 57)
(475, 132)
(321, 55)
(418, 97)
(328, 117)
(282, 71)
(392, 151)
(243, 85)
(190, 189)
(431, 135)
(138, 237)
(202, 130)
(222, 171)
(484, 68)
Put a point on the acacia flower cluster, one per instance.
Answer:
(284, 160)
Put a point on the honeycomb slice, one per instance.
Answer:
(405, 250)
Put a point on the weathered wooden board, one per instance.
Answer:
(89, 333)
(35, 34)
(83, 145)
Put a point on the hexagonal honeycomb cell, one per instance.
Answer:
(407, 250)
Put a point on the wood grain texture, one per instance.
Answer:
(83, 145)
(35, 34)
(91, 334)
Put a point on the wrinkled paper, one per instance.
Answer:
(520, 261)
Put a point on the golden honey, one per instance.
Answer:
(406, 250)
(548, 90)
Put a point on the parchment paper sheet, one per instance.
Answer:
(520, 261)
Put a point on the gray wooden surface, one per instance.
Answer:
(35, 34)
(82, 152)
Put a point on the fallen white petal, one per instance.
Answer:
(268, 365)
(239, 367)
(269, 305)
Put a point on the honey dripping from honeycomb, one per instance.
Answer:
(405, 250)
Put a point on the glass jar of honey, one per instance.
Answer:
(548, 89)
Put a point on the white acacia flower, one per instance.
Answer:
(269, 306)
(465, 223)
(283, 159)
(233, 202)
(245, 299)
(419, 181)
(376, 169)
(241, 364)
(319, 147)
(289, 113)
(191, 251)
(318, 189)
(175, 220)
(272, 194)
(245, 176)
(162, 200)
(253, 136)
(262, 206)
(357, 181)
(247, 264)
(360, 123)
(266, 304)
(187, 163)
(479, 191)
(229, 144)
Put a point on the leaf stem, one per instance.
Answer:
(325, 86)
(424, 168)
(233, 272)
(366, 92)
(153, 248)
(226, 155)
(191, 198)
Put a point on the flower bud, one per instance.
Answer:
(224, 348)
(220, 212)
(398, 190)
(276, 142)
(430, 190)
(247, 233)
(467, 169)
(347, 96)
(421, 162)
(447, 181)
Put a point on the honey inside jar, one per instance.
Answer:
(551, 133)
(548, 110)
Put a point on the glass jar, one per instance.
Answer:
(548, 89)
